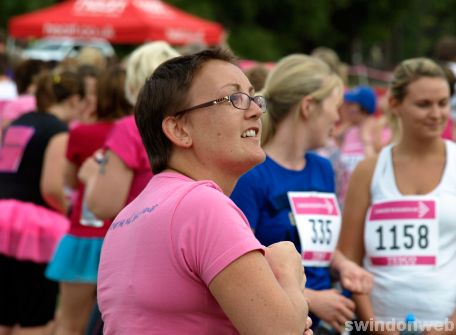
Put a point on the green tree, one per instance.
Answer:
(359, 30)
(10, 8)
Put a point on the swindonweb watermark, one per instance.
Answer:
(399, 325)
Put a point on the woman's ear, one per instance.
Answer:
(306, 106)
(175, 130)
(393, 104)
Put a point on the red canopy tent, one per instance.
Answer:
(119, 21)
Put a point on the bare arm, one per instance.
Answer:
(71, 174)
(357, 202)
(351, 241)
(264, 295)
(52, 175)
(107, 189)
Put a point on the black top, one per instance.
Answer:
(22, 153)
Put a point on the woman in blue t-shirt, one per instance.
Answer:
(303, 98)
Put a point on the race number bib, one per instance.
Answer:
(402, 233)
(317, 217)
(13, 147)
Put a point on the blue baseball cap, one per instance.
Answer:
(364, 96)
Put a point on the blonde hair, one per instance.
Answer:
(142, 63)
(410, 70)
(92, 56)
(293, 78)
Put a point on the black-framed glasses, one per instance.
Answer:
(239, 100)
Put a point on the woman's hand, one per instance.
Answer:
(354, 278)
(332, 307)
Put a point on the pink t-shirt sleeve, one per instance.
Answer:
(125, 141)
(15, 108)
(216, 234)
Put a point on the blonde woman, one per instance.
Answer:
(303, 97)
(399, 212)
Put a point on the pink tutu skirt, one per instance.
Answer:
(30, 232)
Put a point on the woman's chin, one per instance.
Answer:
(253, 160)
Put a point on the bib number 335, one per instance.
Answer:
(317, 217)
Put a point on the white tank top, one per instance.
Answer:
(426, 289)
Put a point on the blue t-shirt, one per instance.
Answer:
(261, 194)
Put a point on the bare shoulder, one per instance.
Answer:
(367, 166)
(360, 182)
(361, 178)
(365, 169)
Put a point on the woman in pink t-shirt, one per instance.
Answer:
(126, 168)
(75, 261)
(25, 74)
(115, 175)
(181, 258)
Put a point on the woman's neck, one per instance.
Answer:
(413, 148)
(289, 145)
(197, 171)
(58, 111)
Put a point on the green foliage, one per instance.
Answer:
(268, 30)
(9, 8)
(258, 42)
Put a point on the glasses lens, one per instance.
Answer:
(260, 102)
(240, 100)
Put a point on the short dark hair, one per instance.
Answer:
(164, 94)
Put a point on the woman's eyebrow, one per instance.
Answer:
(238, 87)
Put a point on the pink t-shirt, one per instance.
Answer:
(448, 131)
(351, 153)
(161, 253)
(21, 105)
(125, 141)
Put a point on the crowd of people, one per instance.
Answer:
(174, 192)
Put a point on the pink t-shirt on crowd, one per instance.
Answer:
(351, 153)
(448, 131)
(161, 253)
(21, 105)
(125, 141)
